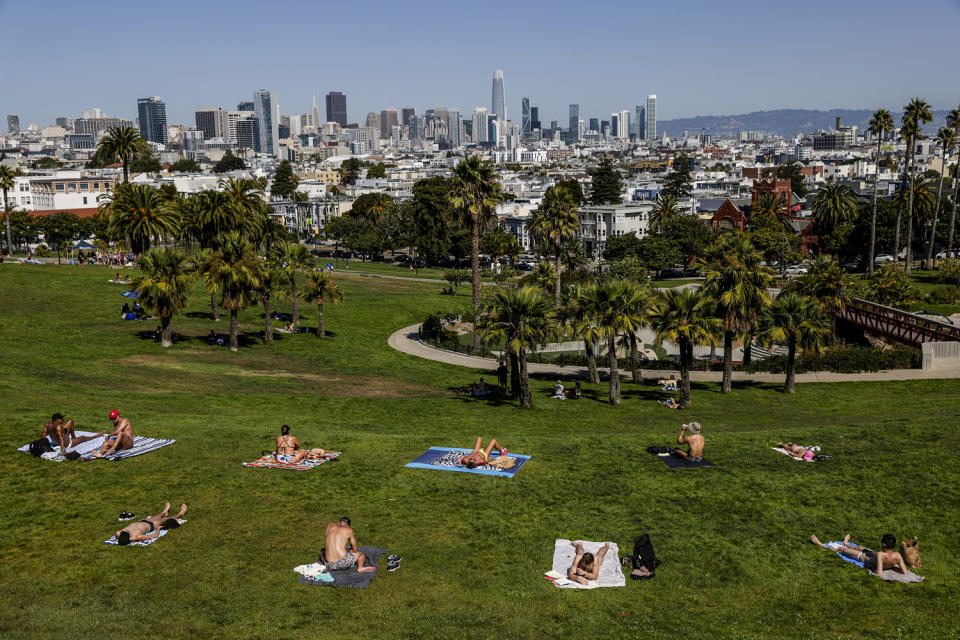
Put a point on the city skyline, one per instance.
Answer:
(723, 75)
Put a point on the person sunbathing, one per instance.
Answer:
(872, 561)
(670, 403)
(336, 556)
(694, 443)
(585, 565)
(290, 328)
(121, 437)
(480, 456)
(150, 528)
(558, 393)
(289, 451)
(61, 434)
(797, 451)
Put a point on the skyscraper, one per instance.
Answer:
(594, 124)
(373, 121)
(388, 120)
(210, 122)
(535, 118)
(267, 112)
(315, 113)
(246, 105)
(337, 108)
(525, 118)
(417, 125)
(615, 124)
(13, 123)
(454, 128)
(574, 121)
(153, 119)
(641, 122)
(624, 124)
(247, 133)
(481, 131)
(405, 114)
(651, 123)
(498, 102)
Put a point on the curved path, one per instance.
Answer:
(405, 340)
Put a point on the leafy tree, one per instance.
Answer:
(498, 242)
(685, 317)
(321, 287)
(124, 143)
(186, 165)
(373, 206)
(376, 170)
(690, 234)
(163, 286)
(880, 124)
(476, 193)
(46, 162)
(678, 182)
(235, 268)
(229, 162)
(572, 187)
(605, 187)
(455, 277)
(890, 285)
(629, 269)
(621, 247)
(58, 229)
(657, 253)
(915, 114)
(798, 321)
(139, 214)
(350, 170)
(7, 176)
(553, 224)
(146, 163)
(432, 218)
(291, 258)
(285, 181)
(792, 173)
(23, 228)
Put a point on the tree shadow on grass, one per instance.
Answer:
(494, 398)
(208, 315)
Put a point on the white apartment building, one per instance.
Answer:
(63, 190)
(597, 223)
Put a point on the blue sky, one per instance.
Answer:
(699, 56)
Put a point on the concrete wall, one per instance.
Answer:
(939, 354)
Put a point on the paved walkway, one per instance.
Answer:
(405, 340)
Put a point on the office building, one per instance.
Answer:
(480, 126)
(267, 113)
(641, 122)
(498, 102)
(90, 114)
(454, 128)
(97, 127)
(337, 108)
(191, 143)
(417, 125)
(210, 121)
(314, 117)
(389, 118)
(229, 126)
(535, 118)
(594, 124)
(65, 122)
(651, 119)
(405, 114)
(615, 124)
(624, 131)
(525, 118)
(245, 106)
(248, 134)
(13, 123)
(574, 122)
(153, 119)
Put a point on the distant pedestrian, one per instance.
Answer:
(502, 376)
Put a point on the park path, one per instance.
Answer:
(405, 340)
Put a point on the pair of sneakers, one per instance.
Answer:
(393, 562)
(125, 515)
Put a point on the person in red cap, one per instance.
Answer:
(122, 436)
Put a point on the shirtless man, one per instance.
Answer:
(150, 528)
(872, 561)
(122, 436)
(336, 554)
(694, 443)
(585, 566)
(61, 433)
(480, 456)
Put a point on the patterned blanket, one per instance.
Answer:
(268, 461)
(141, 445)
(447, 459)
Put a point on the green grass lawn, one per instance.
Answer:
(732, 538)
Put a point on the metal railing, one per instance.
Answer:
(902, 326)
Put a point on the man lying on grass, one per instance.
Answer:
(61, 434)
(872, 561)
(150, 528)
(336, 556)
(480, 456)
(121, 438)
(694, 443)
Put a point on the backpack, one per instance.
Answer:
(40, 447)
(644, 556)
(657, 449)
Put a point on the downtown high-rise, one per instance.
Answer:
(526, 127)
(574, 122)
(210, 122)
(152, 112)
(267, 114)
(336, 108)
(651, 115)
(13, 123)
(498, 102)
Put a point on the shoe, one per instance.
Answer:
(627, 561)
(393, 566)
(394, 558)
(504, 452)
(125, 515)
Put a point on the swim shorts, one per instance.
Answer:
(345, 562)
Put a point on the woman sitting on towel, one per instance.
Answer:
(585, 566)
(480, 456)
(288, 448)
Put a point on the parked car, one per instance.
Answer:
(943, 254)
(885, 257)
(796, 269)
(671, 273)
(851, 267)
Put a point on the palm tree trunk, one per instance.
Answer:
(909, 262)
(686, 356)
(293, 295)
(896, 233)
(321, 325)
(635, 359)
(267, 322)
(166, 340)
(591, 362)
(514, 375)
(508, 363)
(556, 285)
(747, 348)
(727, 385)
(476, 332)
(234, 321)
(936, 214)
(873, 220)
(791, 365)
(953, 213)
(6, 218)
(214, 307)
(126, 171)
(614, 371)
(526, 395)
(475, 259)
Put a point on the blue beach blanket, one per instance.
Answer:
(438, 458)
(132, 293)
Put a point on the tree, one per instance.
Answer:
(476, 192)
(285, 181)
(205, 267)
(630, 269)
(792, 173)
(271, 283)
(953, 121)
(916, 113)
(321, 287)
(581, 321)
(657, 253)
(572, 187)
(605, 187)
(616, 308)
(139, 214)
(163, 286)
(376, 170)
(890, 285)
(235, 268)
(291, 258)
(828, 284)
(350, 170)
(678, 182)
(498, 242)
(432, 218)
(947, 139)
(796, 320)
(46, 162)
(146, 163)
(834, 204)
(685, 317)
(245, 209)
(59, 229)
(621, 247)
(186, 165)
(690, 234)
(229, 162)
(7, 176)
(520, 318)
(919, 188)
(125, 144)
(186, 211)
(665, 210)
(880, 124)
(455, 277)
(738, 283)
(554, 223)
(373, 206)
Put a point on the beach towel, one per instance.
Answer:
(351, 577)
(611, 575)
(890, 575)
(141, 445)
(268, 461)
(446, 459)
(316, 571)
(142, 543)
(676, 462)
(787, 453)
(132, 293)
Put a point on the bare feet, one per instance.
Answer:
(96, 454)
(846, 538)
(165, 511)
(366, 569)
(183, 510)
(817, 542)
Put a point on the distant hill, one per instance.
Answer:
(783, 122)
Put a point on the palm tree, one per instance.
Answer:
(834, 204)
(292, 257)
(920, 189)
(235, 268)
(953, 121)
(476, 193)
(272, 283)
(665, 209)
(186, 212)
(686, 318)
(616, 307)
(738, 282)
(7, 176)
(583, 326)
(796, 320)
(828, 284)
(553, 224)
(216, 216)
(139, 213)
(164, 286)
(916, 113)
(320, 286)
(947, 139)
(204, 265)
(881, 123)
(244, 199)
(521, 318)
(124, 143)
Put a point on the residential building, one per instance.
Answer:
(65, 190)
(389, 118)
(615, 125)
(90, 114)
(624, 131)
(650, 129)
(337, 108)
(454, 128)
(574, 122)
(210, 122)
(153, 119)
(498, 102)
(13, 123)
(267, 113)
(191, 143)
(526, 119)
(598, 223)
(314, 116)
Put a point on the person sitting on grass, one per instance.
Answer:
(585, 565)
(798, 451)
(335, 554)
(290, 328)
(576, 393)
(61, 434)
(670, 403)
(558, 391)
(480, 456)
(694, 443)
(121, 437)
(872, 561)
(669, 385)
(150, 528)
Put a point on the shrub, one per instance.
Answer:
(42, 251)
(950, 271)
(844, 359)
(945, 294)
(432, 327)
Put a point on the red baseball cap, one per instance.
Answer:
(114, 414)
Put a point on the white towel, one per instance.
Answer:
(610, 575)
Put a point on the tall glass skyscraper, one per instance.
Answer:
(575, 121)
(526, 120)
(641, 123)
(651, 118)
(498, 102)
(336, 108)
(267, 113)
(153, 119)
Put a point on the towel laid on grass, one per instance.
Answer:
(445, 459)
(678, 462)
(787, 453)
(141, 543)
(889, 575)
(141, 445)
(351, 577)
(269, 461)
(610, 573)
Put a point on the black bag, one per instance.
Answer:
(643, 554)
(657, 449)
(71, 455)
(40, 447)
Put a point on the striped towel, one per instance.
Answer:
(141, 543)
(268, 461)
(141, 444)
